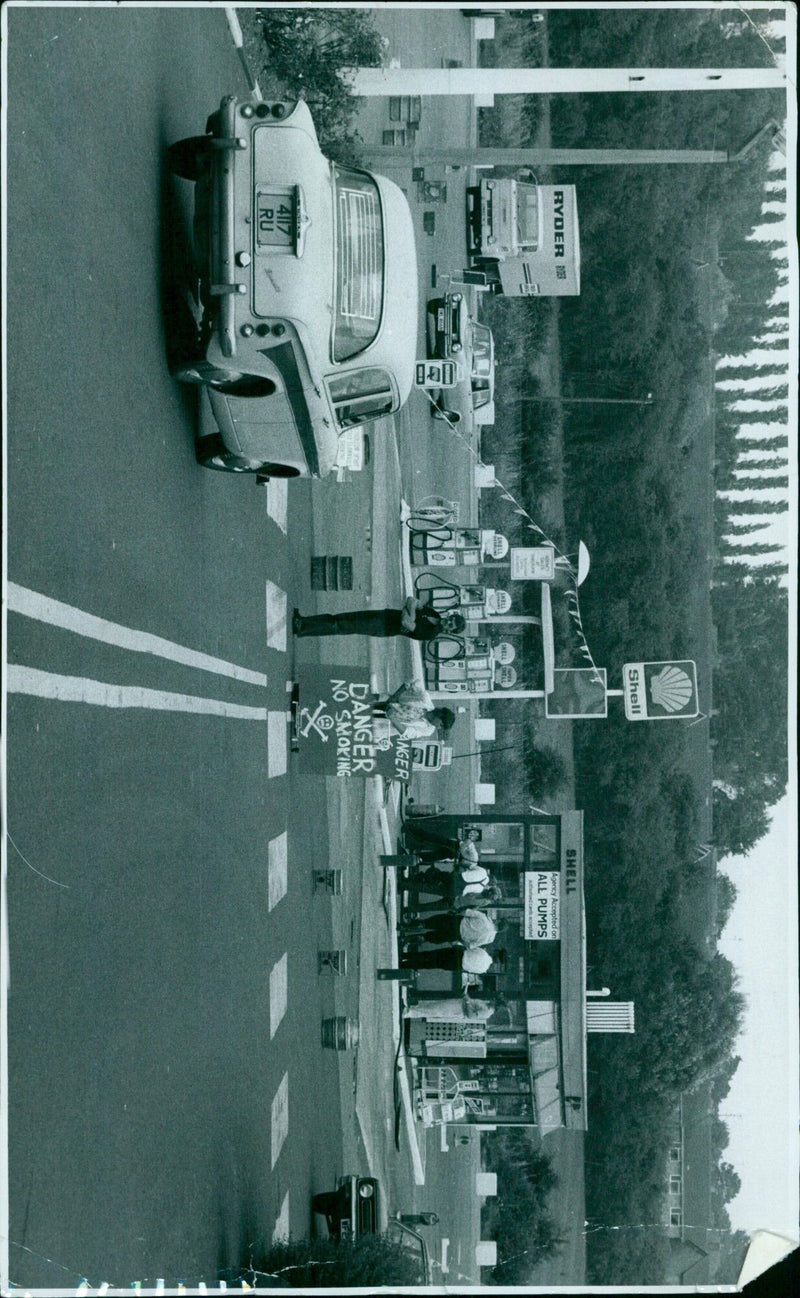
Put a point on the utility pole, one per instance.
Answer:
(549, 157)
(557, 81)
(581, 157)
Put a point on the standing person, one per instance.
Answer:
(417, 620)
(463, 880)
(491, 895)
(470, 929)
(477, 961)
(464, 849)
(449, 1008)
(412, 714)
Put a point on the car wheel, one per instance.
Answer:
(212, 453)
(278, 471)
(189, 158)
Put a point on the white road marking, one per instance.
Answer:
(81, 689)
(278, 501)
(276, 744)
(276, 617)
(280, 1118)
(278, 873)
(443, 1145)
(278, 984)
(31, 604)
(281, 1230)
(445, 1247)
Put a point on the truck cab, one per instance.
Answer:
(504, 218)
(307, 283)
(352, 1209)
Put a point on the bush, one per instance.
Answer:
(545, 769)
(330, 1263)
(308, 49)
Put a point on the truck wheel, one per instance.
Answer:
(212, 453)
(189, 158)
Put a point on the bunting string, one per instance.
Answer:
(505, 494)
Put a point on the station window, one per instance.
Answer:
(675, 1217)
(502, 839)
(674, 1185)
(543, 843)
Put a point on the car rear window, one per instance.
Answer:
(359, 273)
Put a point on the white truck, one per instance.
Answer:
(525, 237)
(308, 287)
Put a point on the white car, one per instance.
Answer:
(308, 287)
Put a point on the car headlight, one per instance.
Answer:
(366, 1191)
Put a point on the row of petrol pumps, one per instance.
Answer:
(524, 1063)
(473, 663)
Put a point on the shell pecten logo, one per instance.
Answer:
(671, 689)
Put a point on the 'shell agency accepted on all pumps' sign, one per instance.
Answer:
(542, 905)
(660, 691)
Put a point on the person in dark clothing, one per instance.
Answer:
(418, 834)
(417, 620)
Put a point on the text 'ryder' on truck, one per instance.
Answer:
(525, 237)
(308, 289)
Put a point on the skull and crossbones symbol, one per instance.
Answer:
(318, 720)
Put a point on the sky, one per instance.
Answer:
(762, 1107)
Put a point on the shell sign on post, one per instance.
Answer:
(336, 731)
(660, 691)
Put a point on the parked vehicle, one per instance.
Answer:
(525, 237)
(308, 289)
(352, 1209)
(453, 332)
(356, 1208)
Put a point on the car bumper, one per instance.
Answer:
(226, 281)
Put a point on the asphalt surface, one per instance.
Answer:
(170, 1103)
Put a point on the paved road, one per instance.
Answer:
(169, 1101)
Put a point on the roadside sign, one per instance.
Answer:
(438, 374)
(336, 731)
(533, 563)
(578, 692)
(661, 691)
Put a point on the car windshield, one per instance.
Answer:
(527, 216)
(359, 262)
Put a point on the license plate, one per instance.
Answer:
(440, 319)
(275, 219)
